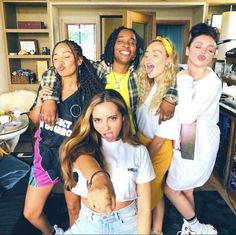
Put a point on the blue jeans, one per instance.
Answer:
(123, 221)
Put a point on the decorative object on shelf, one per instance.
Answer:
(45, 51)
(30, 25)
(23, 52)
(29, 45)
(23, 76)
(42, 66)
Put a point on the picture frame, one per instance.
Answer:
(29, 45)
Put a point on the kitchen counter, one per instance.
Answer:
(227, 108)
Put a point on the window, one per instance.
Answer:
(216, 21)
(85, 36)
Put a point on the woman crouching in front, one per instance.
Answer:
(103, 133)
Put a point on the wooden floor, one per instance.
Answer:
(213, 184)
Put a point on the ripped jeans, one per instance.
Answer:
(123, 221)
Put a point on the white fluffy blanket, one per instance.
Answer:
(18, 99)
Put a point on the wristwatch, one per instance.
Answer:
(171, 100)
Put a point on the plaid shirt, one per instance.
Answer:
(50, 79)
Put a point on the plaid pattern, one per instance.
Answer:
(103, 70)
(50, 79)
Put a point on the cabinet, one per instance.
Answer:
(226, 154)
(12, 12)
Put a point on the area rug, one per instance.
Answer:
(210, 208)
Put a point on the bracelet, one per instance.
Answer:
(89, 182)
(168, 101)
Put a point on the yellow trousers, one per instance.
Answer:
(161, 162)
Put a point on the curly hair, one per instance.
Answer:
(86, 74)
(86, 140)
(108, 55)
(145, 83)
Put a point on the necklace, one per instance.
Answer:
(118, 80)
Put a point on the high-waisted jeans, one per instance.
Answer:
(123, 221)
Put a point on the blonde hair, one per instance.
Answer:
(86, 140)
(145, 84)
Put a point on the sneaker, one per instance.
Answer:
(205, 229)
(208, 229)
(184, 229)
(58, 230)
(156, 233)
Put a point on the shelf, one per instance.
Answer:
(24, 86)
(27, 31)
(14, 11)
(29, 57)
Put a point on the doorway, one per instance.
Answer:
(177, 32)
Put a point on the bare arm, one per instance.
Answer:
(144, 208)
(155, 145)
(35, 112)
(101, 190)
(166, 110)
(49, 112)
(49, 107)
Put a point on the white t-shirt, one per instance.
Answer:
(128, 166)
(148, 121)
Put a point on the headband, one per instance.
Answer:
(166, 43)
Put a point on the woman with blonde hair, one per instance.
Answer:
(103, 133)
(156, 75)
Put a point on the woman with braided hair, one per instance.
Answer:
(78, 83)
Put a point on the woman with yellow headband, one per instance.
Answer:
(156, 74)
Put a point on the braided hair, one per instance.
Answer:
(86, 74)
(108, 55)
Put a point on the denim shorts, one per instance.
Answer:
(123, 221)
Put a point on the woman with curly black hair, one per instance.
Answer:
(77, 83)
(117, 71)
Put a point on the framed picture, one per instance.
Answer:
(29, 45)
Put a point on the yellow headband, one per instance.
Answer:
(166, 43)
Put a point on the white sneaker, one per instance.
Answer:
(184, 229)
(208, 229)
(204, 229)
(58, 230)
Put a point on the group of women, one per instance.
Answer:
(115, 132)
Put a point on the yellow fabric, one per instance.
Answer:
(161, 163)
(121, 80)
(166, 44)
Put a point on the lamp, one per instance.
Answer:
(227, 34)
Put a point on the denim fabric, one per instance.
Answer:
(123, 221)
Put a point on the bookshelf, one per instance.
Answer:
(12, 12)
